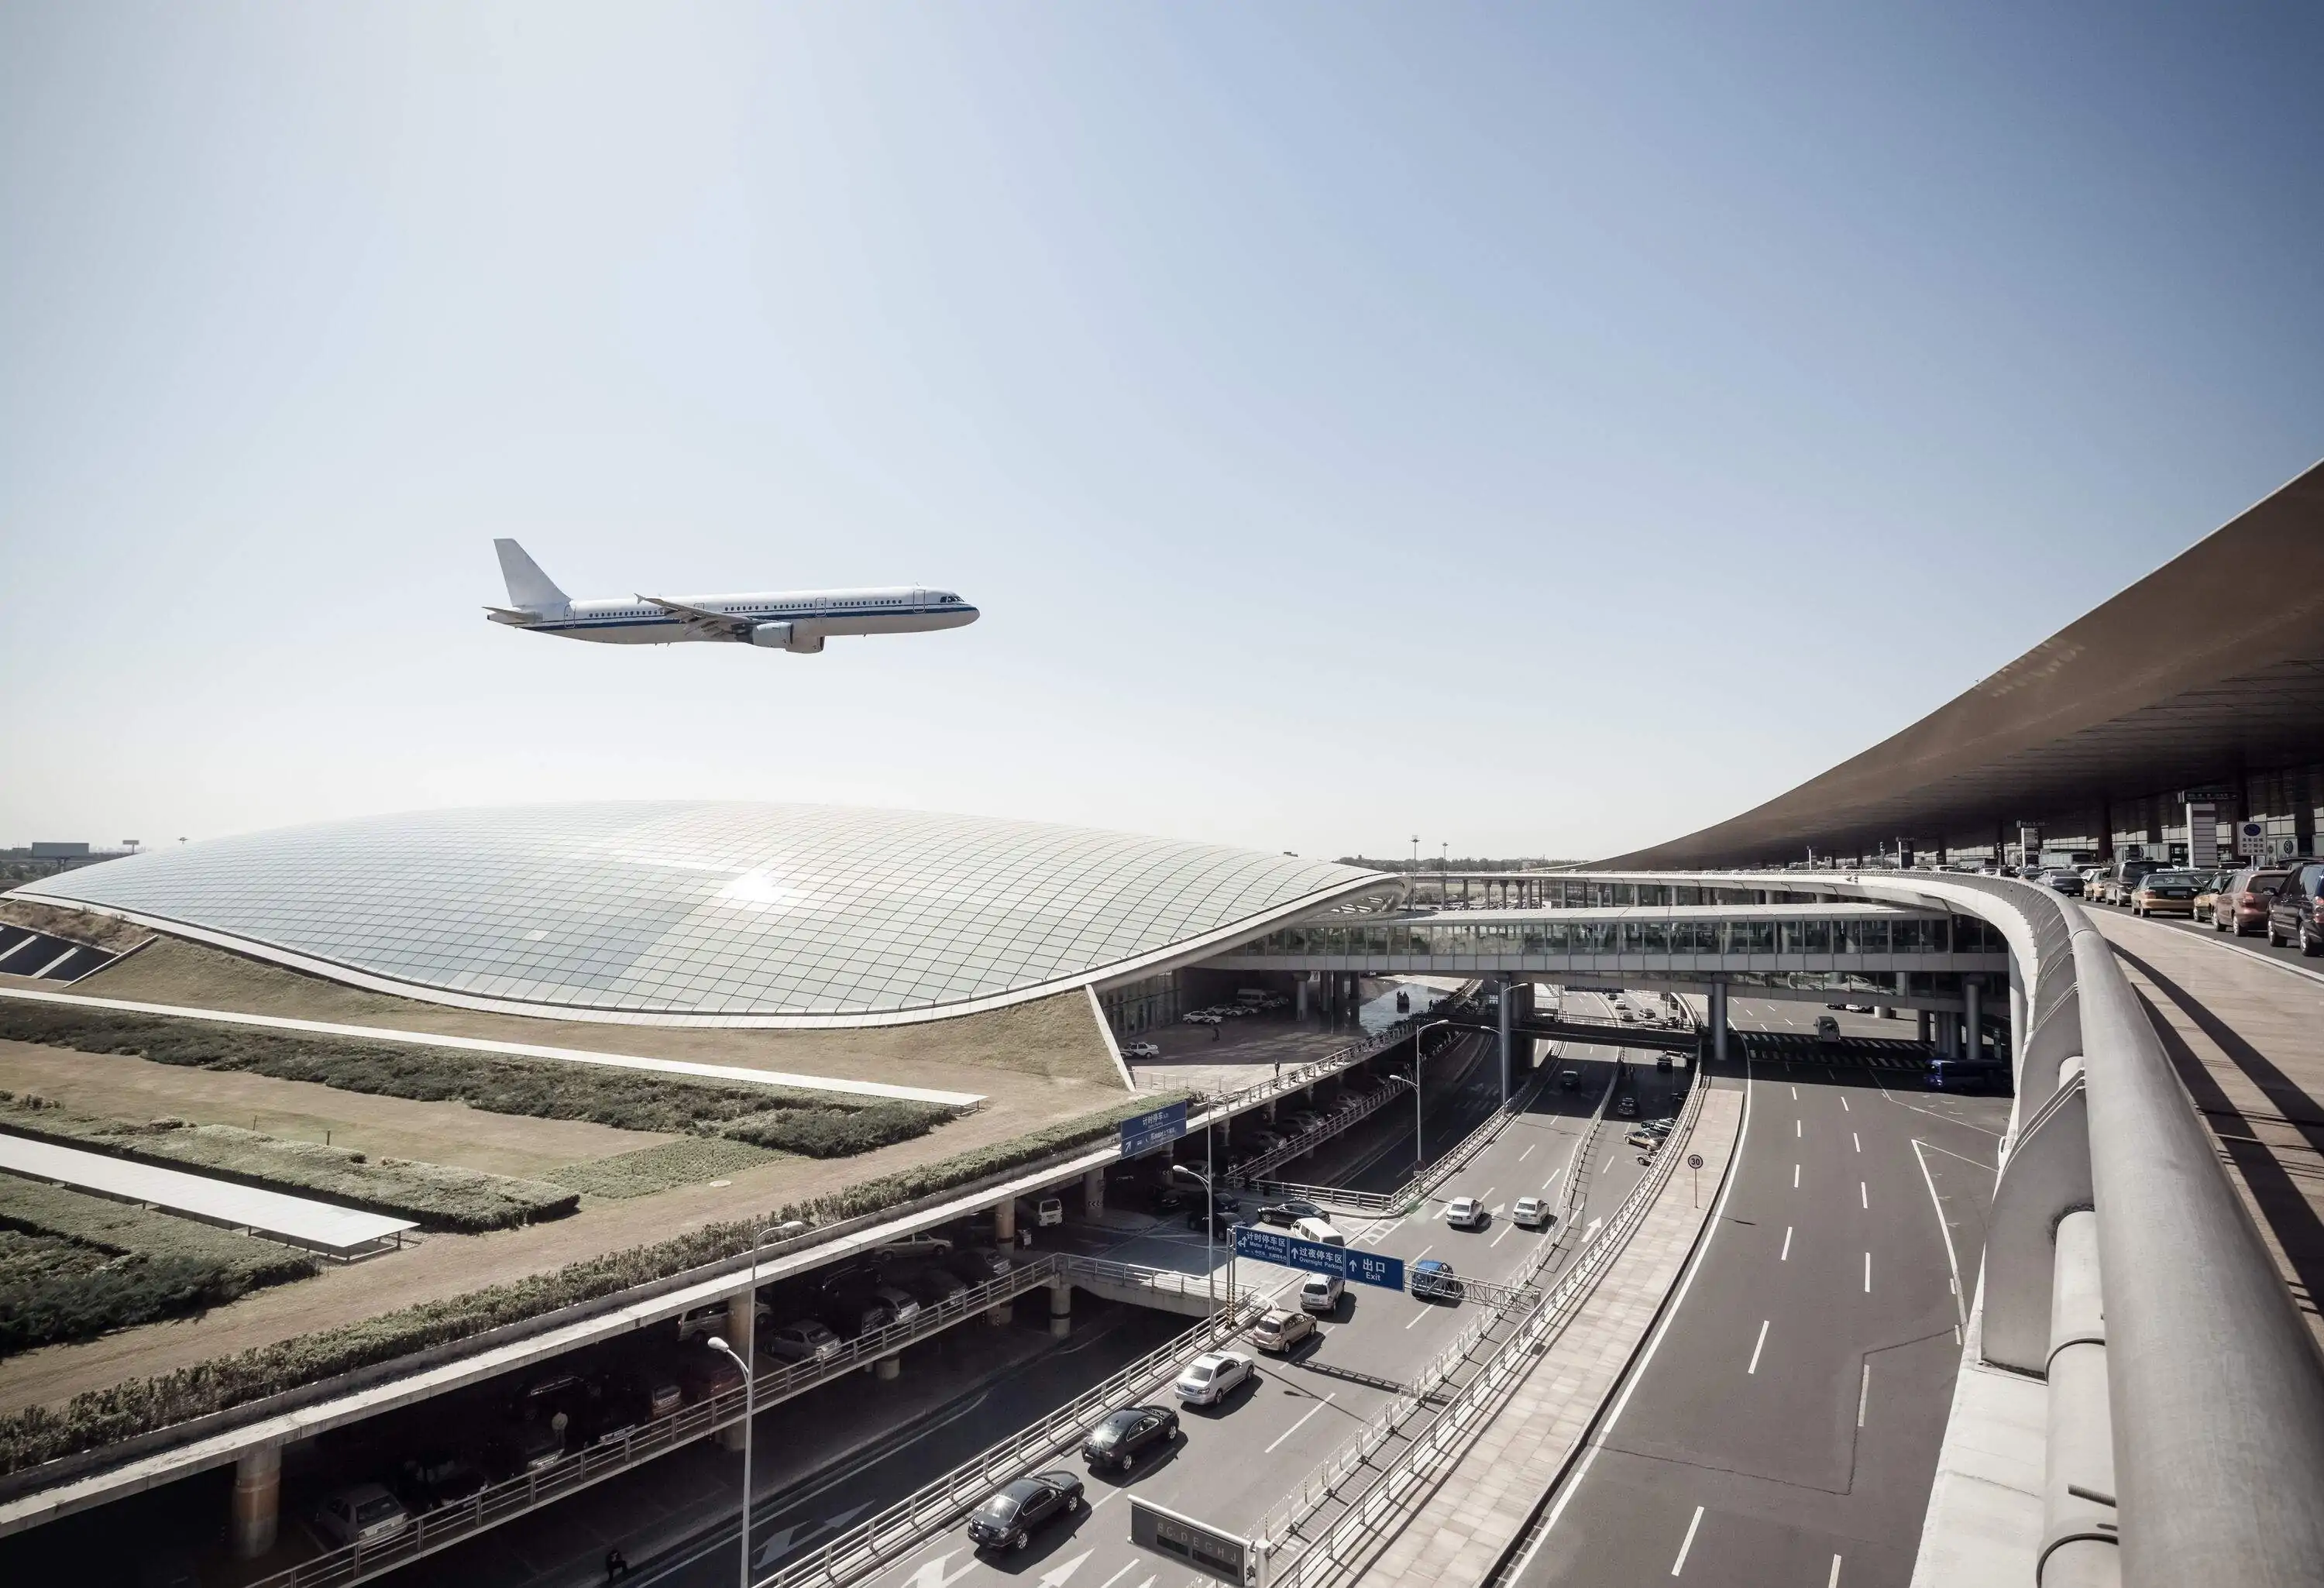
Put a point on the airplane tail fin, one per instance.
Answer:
(528, 586)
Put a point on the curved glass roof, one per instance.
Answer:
(734, 913)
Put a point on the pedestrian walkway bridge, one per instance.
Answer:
(1905, 954)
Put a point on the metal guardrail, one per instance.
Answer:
(1252, 1169)
(909, 1523)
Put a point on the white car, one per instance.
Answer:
(1529, 1213)
(1199, 1018)
(364, 1514)
(1209, 1377)
(1465, 1212)
(1140, 1051)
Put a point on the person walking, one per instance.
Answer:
(617, 1566)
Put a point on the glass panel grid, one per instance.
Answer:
(688, 907)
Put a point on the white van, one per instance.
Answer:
(1319, 1230)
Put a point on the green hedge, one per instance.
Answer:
(439, 1196)
(103, 1416)
(540, 1088)
(73, 1266)
(687, 1161)
(831, 1132)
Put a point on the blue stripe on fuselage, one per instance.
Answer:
(753, 617)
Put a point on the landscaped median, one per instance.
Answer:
(120, 1411)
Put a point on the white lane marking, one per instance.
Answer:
(1795, 1176)
(1868, 1273)
(1787, 1245)
(932, 1573)
(1960, 1314)
(1056, 1576)
(1795, 1094)
(1505, 1228)
(1423, 1251)
(1687, 1543)
(1425, 1310)
(1312, 1410)
(1844, 1108)
(1118, 1575)
(1798, 1131)
(1864, 1395)
(1654, 1341)
(1863, 1197)
(1526, 1153)
(1852, 1136)
(1757, 1346)
(1833, 1581)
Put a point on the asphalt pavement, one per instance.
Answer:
(1783, 1423)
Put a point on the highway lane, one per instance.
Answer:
(1235, 1463)
(1785, 1427)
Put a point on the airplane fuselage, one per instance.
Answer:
(792, 620)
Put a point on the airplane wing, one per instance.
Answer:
(702, 621)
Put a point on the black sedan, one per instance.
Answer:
(1125, 1435)
(1009, 1518)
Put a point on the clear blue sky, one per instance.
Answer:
(1354, 420)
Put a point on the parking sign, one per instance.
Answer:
(1357, 1268)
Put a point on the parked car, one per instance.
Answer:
(2242, 905)
(1628, 1107)
(699, 1322)
(1010, 1518)
(703, 1374)
(2062, 880)
(1433, 1276)
(1320, 1293)
(2295, 914)
(517, 1448)
(1281, 1332)
(804, 1340)
(1643, 1139)
(2207, 896)
(1465, 1212)
(976, 1264)
(1126, 1435)
(1321, 1231)
(436, 1479)
(935, 1285)
(1530, 1212)
(365, 1513)
(2164, 893)
(1140, 1051)
(630, 1402)
(903, 1307)
(1210, 1376)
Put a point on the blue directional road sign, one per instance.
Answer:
(1152, 1129)
(1357, 1268)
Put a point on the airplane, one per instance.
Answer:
(797, 620)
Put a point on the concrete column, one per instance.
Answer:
(1061, 1309)
(1508, 1010)
(1004, 1223)
(1718, 1015)
(257, 1501)
(742, 1319)
(887, 1367)
(1299, 995)
(1973, 1022)
(1093, 1194)
(1921, 1025)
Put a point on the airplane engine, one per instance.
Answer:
(786, 636)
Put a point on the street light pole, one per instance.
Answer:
(1419, 1141)
(749, 1364)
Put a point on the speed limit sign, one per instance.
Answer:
(1695, 1161)
(1694, 1182)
